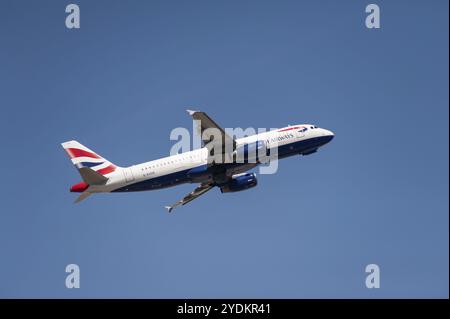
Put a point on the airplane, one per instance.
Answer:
(101, 176)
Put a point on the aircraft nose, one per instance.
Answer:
(328, 135)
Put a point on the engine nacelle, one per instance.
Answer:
(240, 182)
(250, 152)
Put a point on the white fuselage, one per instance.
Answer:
(173, 170)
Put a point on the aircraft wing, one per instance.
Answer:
(207, 123)
(200, 190)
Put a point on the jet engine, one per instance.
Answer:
(240, 182)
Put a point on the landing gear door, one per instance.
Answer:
(128, 174)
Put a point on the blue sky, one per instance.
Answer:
(378, 193)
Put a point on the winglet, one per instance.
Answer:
(169, 208)
(191, 112)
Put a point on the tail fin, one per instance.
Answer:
(82, 157)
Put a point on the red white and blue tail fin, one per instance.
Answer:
(91, 166)
(82, 156)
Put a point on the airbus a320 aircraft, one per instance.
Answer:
(101, 176)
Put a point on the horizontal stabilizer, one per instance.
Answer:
(91, 177)
(83, 196)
